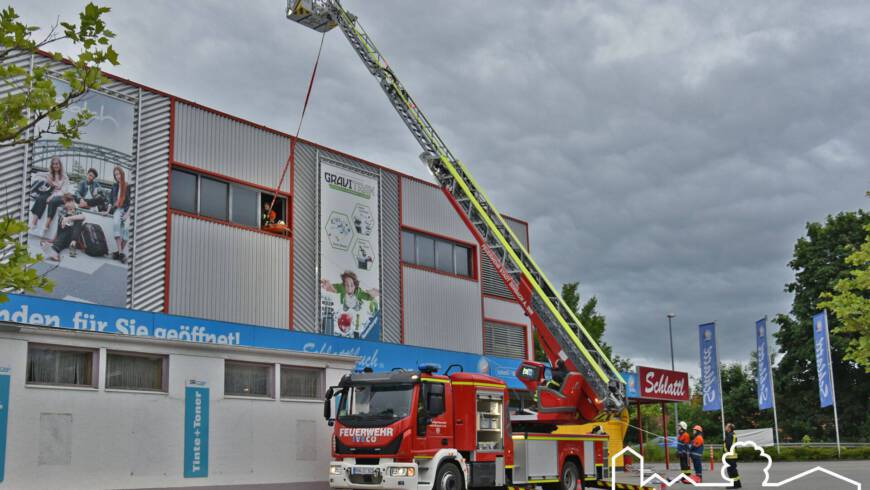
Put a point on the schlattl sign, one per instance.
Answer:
(661, 384)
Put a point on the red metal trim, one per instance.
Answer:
(227, 178)
(436, 271)
(401, 269)
(228, 223)
(167, 263)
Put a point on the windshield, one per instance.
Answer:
(376, 402)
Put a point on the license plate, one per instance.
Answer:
(362, 470)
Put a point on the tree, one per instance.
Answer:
(32, 108)
(592, 321)
(850, 303)
(819, 264)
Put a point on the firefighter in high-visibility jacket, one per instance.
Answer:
(731, 458)
(683, 440)
(696, 451)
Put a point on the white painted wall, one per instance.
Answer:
(117, 439)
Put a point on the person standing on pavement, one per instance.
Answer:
(696, 451)
(683, 440)
(731, 458)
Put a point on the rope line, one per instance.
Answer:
(292, 157)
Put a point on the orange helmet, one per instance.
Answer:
(698, 428)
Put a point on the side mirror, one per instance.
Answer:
(327, 409)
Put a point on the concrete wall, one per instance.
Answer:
(97, 438)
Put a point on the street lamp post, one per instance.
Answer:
(671, 335)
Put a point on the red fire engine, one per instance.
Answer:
(421, 430)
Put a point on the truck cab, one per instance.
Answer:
(418, 429)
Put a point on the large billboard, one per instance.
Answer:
(350, 268)
(80, 202)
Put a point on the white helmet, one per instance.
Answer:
(684, 426)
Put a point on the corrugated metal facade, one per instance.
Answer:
(12, 163)
(504, 340)
(147, 285)
(520, 229)
(305, 237)
(225, 273)
(510, 312)
(224, 146)
(442, 311)
(426, 208)
(391, 274)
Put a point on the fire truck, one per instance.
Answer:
(420, 429)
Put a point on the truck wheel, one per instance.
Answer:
(449, 477)
(570, 478)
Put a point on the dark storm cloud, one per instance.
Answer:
(666, 155)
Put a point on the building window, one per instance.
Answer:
(62, 366)
(213, 198)
(128, 371)
(248, 379)
(207, 196)
(297, 382)
(183, 191)
(436, 253)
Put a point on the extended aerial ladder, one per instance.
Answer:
(601, 389)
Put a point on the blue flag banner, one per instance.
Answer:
(195, 432)
(4, 420)
(763, 377)
(710, 380)
(823, 358)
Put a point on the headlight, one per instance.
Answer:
(402, 471)
(335, 470)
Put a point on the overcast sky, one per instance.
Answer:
(667, 155)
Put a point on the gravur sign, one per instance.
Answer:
(662, 384)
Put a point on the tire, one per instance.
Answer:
(449, 477)
(569, 479)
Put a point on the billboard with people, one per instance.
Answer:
(80, 202)
(350, 269)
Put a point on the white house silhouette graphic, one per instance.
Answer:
(656, 479)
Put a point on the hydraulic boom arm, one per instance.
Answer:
(559, 330)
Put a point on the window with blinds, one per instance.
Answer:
(248, 379)
(504, 340)
(141, 372)
(298, 382)
(61, 366)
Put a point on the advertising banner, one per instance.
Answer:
(195, 432)
(350, 268)
(823, 358)
(4, 419)
(380, 356)
(80, 198)
(710, 380)
(764, 376)
(662, 384)
(632, 390)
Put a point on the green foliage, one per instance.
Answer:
(819, 263)
(592, 321)
(32, 106)
(16, 272)
(850, 303)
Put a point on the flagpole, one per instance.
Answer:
(721, 389)
(833, 388)
(772, 387)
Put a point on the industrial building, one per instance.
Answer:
(183, 290)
